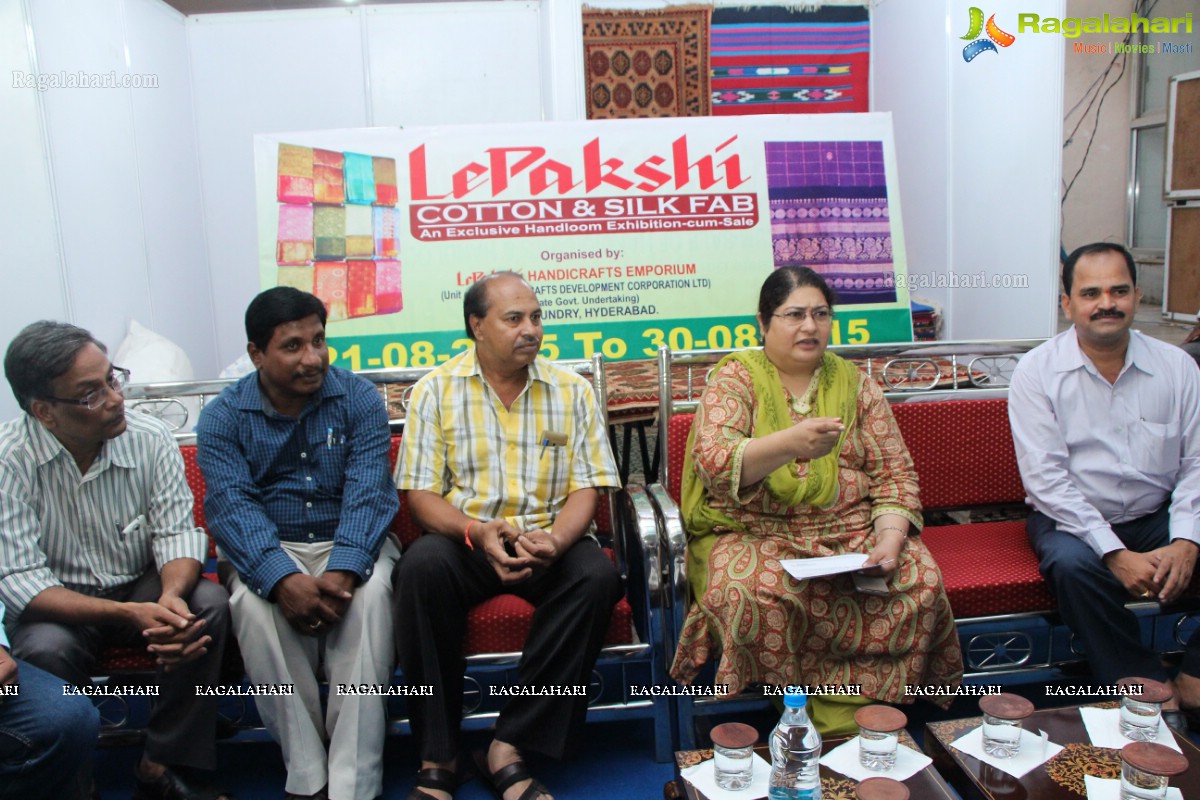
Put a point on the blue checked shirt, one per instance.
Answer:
(271, 478)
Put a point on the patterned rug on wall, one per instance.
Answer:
(829, 212)
(647, 63)
(773, 60)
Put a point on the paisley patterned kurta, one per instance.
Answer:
(769, 628)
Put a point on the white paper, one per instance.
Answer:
(703, 777)
(804, 568)
(1109, 789)
(1035, 751)
(1104, 729)
(844, 759)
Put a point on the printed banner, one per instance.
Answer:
(634, 233)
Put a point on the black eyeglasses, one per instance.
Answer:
(118, 379)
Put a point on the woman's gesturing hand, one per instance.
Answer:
(816, 436)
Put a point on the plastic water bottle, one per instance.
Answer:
(795, 753)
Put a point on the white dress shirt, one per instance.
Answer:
(1093, 454)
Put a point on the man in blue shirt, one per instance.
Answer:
(299, 499)
(46, 739)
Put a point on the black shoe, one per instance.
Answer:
(171, 786)
(321, 795)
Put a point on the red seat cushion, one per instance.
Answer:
(988, 568)
(963, 452)
(402, 525)
(678, 429)
(123, 659)
(501, 625)
(195, 480)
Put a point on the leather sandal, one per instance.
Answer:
(172, 786)
(506, 777)
(441, 779)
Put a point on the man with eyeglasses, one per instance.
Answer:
(98, 546)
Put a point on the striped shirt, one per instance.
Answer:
(3, 635)
(317, 478)
(91, 533)
(491, 462)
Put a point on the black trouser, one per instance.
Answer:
(1092, 601)
(183, 726)
(437, 582)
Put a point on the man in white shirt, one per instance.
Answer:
(1106, 424)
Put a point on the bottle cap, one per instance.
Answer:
(794, 698)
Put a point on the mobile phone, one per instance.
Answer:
(869, 584)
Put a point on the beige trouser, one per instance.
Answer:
(357, 650)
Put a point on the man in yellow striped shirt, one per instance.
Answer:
(503, 455)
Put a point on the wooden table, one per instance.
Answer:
(1060, 777)
(925, 785)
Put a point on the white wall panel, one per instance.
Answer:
(1005, 120)
(562, 49)
(95, 168)
(919, 121)
(169, 180)
(261, 73)
(31, 269)
(979, 152)
(451, 63)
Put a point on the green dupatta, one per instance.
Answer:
(836, 396)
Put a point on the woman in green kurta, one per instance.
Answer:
(794, 453)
